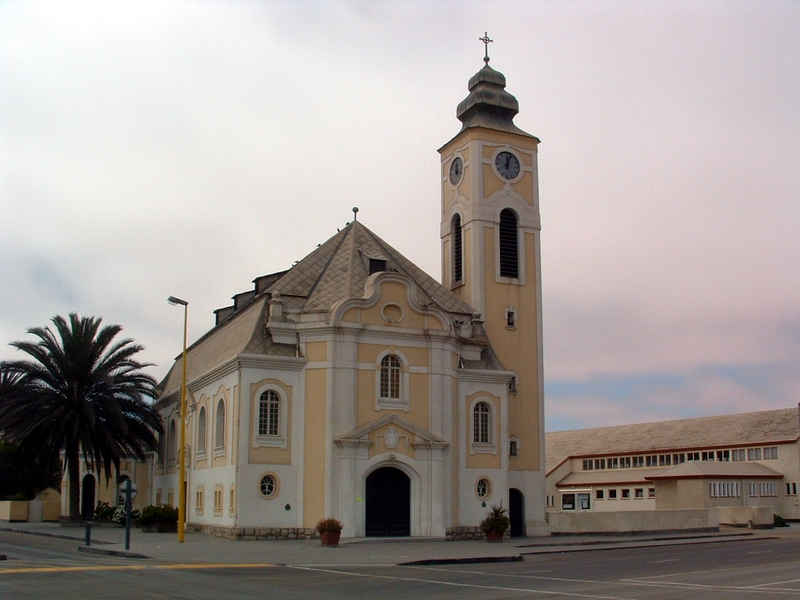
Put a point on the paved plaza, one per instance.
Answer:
(766, 565)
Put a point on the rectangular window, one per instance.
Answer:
(170, 498)
(587, 464)
(626, 462)
(598, 494)
(232, 504)
(612, 494)
(218, 501)
(567, 501)
(638, 461)
(512, 448)
(649, 460)
(788, 489)
(723, 455)
(708, 455)
(771, 453)
(794, 489)
(651, 492)
(754, 454)
(638, 493)
(376, 265)
(613, 463)
(198, 502)
(753, 489)
(584, 501)
(511, 318)
(599, 463)
(626, 493)
(158, 497)
(737, 455)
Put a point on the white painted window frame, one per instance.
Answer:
(271, 441)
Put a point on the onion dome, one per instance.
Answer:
(488, 103)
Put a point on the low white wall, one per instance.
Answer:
(745, 515)
(630, 520)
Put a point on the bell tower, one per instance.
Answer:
(490, 240)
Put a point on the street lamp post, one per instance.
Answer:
(182, 452)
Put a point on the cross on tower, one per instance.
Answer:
(486, 41)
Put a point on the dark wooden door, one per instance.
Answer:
(516, 512)
(388, 503)
(87, 497)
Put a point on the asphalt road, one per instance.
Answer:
(39, 567)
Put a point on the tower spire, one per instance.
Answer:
(486, 41)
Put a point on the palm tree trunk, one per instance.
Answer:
(73, 465)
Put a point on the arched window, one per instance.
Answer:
(201, 431)
(269, 413)
(219, 432)
(480, 423)
(457, 254)
(509, 250)
(172, 443)
(390, 377)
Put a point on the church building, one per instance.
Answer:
(355, 386)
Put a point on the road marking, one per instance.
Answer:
(760, 552)
(666, 560)
(638, 582)
(172, 567)
(775, 583)
(464, 585)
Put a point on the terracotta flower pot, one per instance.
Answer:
(330, 538)
(494, 536)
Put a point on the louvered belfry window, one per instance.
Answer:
(509, 251)
(390, 377)
(456, 228)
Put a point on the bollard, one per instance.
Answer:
(128, 514)
(88, 533)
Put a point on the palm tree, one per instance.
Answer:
(81, 394)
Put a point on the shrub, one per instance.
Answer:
(153, 514)
(104, 512)
(329, 524)
(496, 521)
(779, 521)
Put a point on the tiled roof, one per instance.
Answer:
(243, 333)
(704, 432)
(696, 469)
(339, 268)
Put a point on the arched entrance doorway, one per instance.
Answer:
(388, 503)
(516, 512)
(87, 497)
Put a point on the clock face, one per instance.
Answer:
(507, 165)
(456, 169)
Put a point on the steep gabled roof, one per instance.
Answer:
(339, 268)
(704, 432)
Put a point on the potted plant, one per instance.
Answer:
(495, 524)
(163, 519)
(330, 530)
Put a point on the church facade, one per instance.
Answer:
(355, 386)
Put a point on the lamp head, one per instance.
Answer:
(174, 300)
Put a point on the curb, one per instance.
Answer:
(629, 546)
(52, 535)
(642, 540)
(92, 550)
(463, 561)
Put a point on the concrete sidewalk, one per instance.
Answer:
(200, 548)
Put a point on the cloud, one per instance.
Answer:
(186, 148)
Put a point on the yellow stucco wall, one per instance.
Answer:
(517, 349)
(317, 351)
(314, 441)
(264, 454)
(418, 410)
(396, 293)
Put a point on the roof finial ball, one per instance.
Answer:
(355, 213)
(486, 41)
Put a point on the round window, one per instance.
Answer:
(482, 488)
(268, 485)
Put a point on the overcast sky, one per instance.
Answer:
(170, 148)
